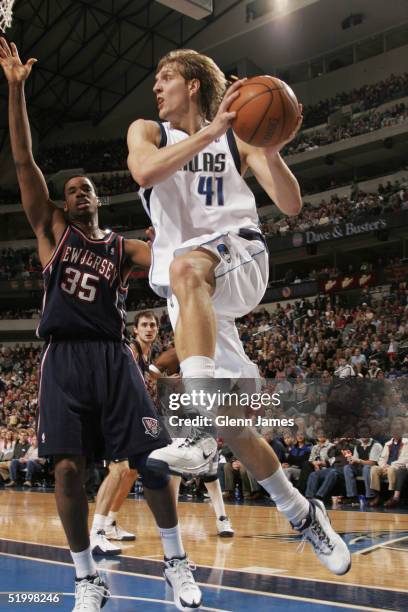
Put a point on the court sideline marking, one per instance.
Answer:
(215, 586)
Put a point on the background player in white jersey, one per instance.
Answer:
(123, 476)
(210, 259)
(146, 330)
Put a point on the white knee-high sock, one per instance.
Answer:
(288, 500)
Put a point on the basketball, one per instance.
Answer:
(267, 111)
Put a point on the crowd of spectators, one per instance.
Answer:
(364, 98)
(91, 155)
(389, 198)
(147, 302)
(330, 272)
(309, 339)
(305, 351)
(109, 155)
(20, 313)
(107, 185)
(114, 184)
(361, 124)
(311, 185)
(19, 263)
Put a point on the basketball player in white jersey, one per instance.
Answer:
(210, 260)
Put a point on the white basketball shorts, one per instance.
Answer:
(241, 281)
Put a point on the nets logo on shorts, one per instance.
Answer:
(152, 426)
(224, 252)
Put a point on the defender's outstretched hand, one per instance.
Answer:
(14, 69)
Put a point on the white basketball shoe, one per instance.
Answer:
(178, 575)
(330, 548)
(91, 594)
(114, 532)
(100, 545)
(224, 527)
(184, 456)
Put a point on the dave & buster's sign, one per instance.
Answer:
(348, 229)
(343, 230)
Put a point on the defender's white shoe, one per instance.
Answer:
(91, 594)
(184, 456)
(330, 548)
(114, 532)
(224, 527)
(178, 575)
(100, 545)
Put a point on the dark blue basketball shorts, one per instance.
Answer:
(93, 402)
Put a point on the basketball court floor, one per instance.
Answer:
(262, 568)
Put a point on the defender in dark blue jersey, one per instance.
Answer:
(92, 396)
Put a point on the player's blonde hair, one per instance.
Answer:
(194, 65)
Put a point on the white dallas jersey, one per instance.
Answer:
(206, 196)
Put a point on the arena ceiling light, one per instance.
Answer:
(197, 9)
(272, 9)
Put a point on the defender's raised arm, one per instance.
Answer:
(45, 218)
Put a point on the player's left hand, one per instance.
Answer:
(276, 148)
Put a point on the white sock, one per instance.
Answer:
(198, 374)
(288, 500)
(198, 367)
(214, 490)
(171, 540)
(98, 523)
(111, 518)
(84, 563)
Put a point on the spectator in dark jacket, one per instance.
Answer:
(321, 483)
(318, 459)
(298, 456)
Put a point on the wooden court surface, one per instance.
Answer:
(263, 542)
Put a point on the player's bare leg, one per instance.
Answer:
(223, 523)
(112, 529)
(72, 506)
(99, 543)
(192, 281)
(127, 481)
(177, 571)
(224, 527)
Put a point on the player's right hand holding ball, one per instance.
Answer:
(223, 119)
